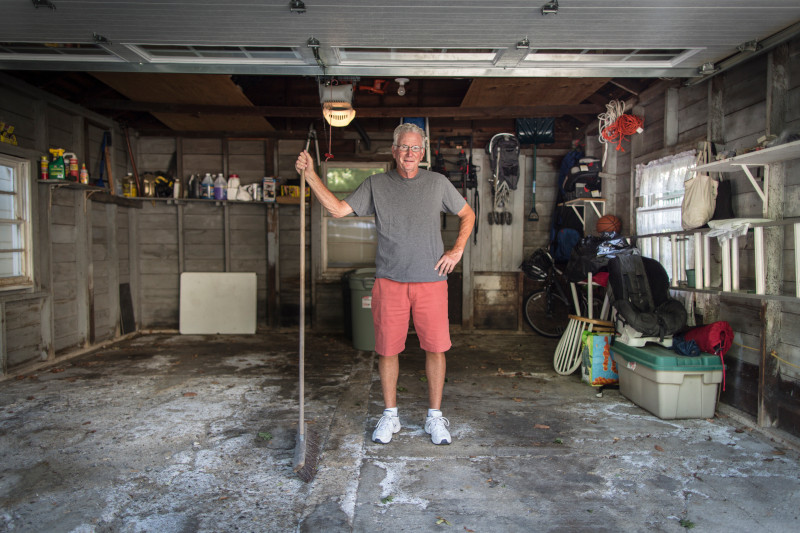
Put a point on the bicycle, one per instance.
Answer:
(547, 309)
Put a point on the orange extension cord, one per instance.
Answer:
(621, 129)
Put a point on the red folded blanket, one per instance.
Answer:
(715, 338)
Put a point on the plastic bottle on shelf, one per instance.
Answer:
(220, 187)
(71, 166)
(84, 175)
(207, 187)
(56, 168)
(233, 187)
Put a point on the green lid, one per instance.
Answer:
(657, 357)
(363, 278)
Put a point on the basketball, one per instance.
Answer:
(609, 224)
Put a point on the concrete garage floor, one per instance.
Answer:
(170, 433)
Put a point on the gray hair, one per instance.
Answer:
(408, 127)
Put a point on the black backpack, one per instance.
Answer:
(640, 287)
(503, 150)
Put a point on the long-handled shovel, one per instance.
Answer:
(535, 131)
(306, 451)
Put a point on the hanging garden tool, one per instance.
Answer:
(503, 150)
(535, 131)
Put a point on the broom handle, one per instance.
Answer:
(302, 428)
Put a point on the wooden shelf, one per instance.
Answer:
(774, 154)
(757, 158)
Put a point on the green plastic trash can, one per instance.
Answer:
(361, 282)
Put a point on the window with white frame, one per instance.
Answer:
(660, 189)
(348, 242)
(16, 264)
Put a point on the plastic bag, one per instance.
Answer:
(699, 201)
(592, 255)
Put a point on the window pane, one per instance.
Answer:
(6, 179)
(352, 242)
(7, 237)
(348, 179)
(6, 206)
(10, 264)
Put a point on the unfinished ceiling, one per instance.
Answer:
(467, 61)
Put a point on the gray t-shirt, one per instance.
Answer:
(407, 217)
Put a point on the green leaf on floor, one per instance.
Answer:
(387, 499)
(558, 441)
(265, 435)
(440, 520)
(401, 389)
(423, 379)
(688, 524)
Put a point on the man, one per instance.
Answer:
(411, 267)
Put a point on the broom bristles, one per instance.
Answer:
(306, 455)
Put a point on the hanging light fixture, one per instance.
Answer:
(401, 90)
(337, 103)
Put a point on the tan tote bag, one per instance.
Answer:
(699, 201)
(700, 194)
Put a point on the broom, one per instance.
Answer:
(306, 451)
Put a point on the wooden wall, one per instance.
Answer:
(74, 300)
(734, 109)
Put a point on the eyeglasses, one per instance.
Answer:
(405, 148)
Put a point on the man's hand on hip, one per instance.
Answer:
(447, 263)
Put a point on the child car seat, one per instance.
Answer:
(643, 309)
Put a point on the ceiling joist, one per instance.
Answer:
(363, 112)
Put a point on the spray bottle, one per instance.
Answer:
(56, 168)
(71, 164)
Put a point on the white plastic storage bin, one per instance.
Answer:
(667, 384)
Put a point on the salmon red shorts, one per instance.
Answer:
(392, 301)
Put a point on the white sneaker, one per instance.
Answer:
(387, 426)
(437, 426)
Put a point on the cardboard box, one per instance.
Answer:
(598, 368)
(667, 384)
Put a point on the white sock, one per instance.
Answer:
(434, 412)
(391, 411)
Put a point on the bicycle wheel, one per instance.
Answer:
(547, 313)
